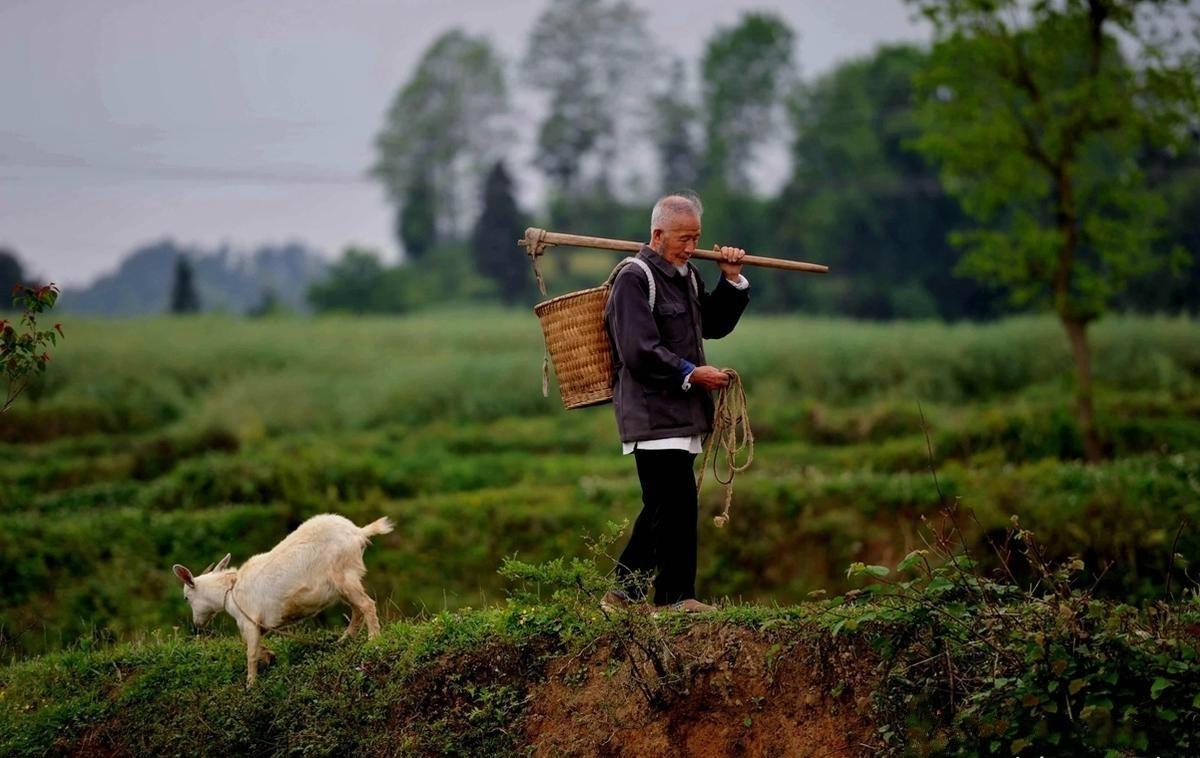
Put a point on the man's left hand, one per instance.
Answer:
(731, 266)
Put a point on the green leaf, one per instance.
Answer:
(1019, 745)
(878, 570)
(1159, 685)
(911, 560)
(939, 584)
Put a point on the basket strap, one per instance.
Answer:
(649, 276)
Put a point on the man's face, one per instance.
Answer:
(677, 241)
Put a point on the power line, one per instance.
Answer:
(187, 173)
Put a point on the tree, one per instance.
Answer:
(590, 58)
(416, 222)
(11, 274)
(1175, 288)
(1035, 120)
(745, 74)
(184, 298)
(862, 200)
(445, 127)
(671, 129)
(493, 243)
(351, 284)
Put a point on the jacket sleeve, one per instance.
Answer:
(635, 335)
(721, 308)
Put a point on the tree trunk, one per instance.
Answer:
(1084, 411)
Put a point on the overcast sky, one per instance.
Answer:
(126, 121)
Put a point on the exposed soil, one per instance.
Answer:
(728, 692)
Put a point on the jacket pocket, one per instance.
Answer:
(668, 409)
(674, 325)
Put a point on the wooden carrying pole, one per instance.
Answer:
(537, 239)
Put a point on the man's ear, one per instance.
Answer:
(223, 563)
(184, 575)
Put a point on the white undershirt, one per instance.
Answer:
(693, 443)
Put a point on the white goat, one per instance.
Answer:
(307, 572)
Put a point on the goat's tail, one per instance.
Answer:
(379, 526)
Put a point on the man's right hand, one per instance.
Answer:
(709, 377)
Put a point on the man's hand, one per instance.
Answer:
(709, 377)
(731, 267)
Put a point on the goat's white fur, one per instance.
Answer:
(311, 569)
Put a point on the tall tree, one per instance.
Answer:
(672, 130)
(11, 273)
(493, 241)
(445, 127)
(746, 72)
(184, 298)
(1035, 119)
(590, 58)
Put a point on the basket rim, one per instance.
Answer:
(577, 293)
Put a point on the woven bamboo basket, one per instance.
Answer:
(573, 325)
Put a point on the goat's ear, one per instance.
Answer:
(184, 575)
(223, 563)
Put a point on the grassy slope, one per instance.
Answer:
(164, 441)
(551, 679)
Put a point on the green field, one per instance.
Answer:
(178, 440)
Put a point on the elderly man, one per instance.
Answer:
(662, 395)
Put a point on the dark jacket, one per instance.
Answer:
(649, 348)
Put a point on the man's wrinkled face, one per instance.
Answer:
(678, 240)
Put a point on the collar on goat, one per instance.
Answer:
(230, 596)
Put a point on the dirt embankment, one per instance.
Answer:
(718, 691)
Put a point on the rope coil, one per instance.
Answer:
(732, 433)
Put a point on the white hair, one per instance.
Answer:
(670, 206)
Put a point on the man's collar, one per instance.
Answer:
(666, 267)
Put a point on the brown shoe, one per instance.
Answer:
(616, 600)
(691, 605)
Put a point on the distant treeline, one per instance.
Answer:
(624, 124)
(166, 276)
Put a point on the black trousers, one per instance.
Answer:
(663, 543)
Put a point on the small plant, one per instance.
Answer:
(24, 354)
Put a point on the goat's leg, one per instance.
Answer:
(253, 638)
(356, 619)
(265, 655)
(354, 594)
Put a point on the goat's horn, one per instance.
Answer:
(205, 571)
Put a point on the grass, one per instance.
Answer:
(176, 440)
